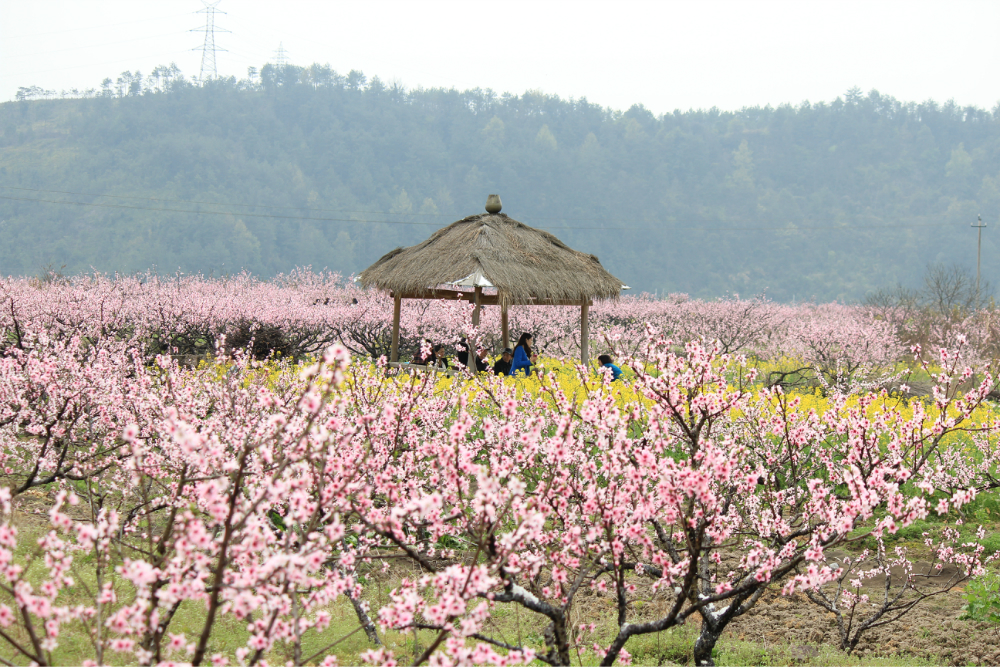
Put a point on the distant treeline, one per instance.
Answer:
(301, 166)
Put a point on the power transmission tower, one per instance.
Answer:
(979, 251)
(281, 56)
(208, 48)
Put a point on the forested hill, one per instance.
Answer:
(299, 167)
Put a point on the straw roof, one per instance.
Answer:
(523, 263)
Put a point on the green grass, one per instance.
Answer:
(508, 623)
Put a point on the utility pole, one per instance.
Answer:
(979, 251)
(208, 48)
(281, 56)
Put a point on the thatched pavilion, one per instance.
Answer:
(526, 266)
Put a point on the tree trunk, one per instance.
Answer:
(365, 621)
(705, 644)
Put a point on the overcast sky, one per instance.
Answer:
(666, 55)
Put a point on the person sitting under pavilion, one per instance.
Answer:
(502, 365)
(524, 356)
(462, 356)
(606, 362)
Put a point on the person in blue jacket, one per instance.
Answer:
(605, 361)
(524, 357)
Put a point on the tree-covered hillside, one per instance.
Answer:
(305, 167)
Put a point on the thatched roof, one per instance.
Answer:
(523, 263)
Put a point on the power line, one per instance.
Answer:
(209, 48)
(106, 62)
(271, 30)
(230, 213)
(211, 203)
(91, 28)
(438, 215)
(664, 227)
(144, 38)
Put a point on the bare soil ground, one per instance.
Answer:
(792, 629)
(931, 631)
(780, 629)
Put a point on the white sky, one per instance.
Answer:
(667, 55)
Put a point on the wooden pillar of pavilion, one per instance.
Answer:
(397, 303)
(471, 351)
(585, 332)
(504, 329)
(475, 311)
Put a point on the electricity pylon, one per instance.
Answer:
(208, 48)
(281, 56)
(979, 251)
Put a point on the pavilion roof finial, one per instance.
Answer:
(493, 204)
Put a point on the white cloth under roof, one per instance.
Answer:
(476, 279)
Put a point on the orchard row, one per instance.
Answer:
(305, 312)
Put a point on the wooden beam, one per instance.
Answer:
(553, 302)
(488, 299)
(420, 368)
(397, 303)
(453, 295)
(436, 294)
(585, 334)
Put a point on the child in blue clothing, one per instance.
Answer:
(605, 361)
